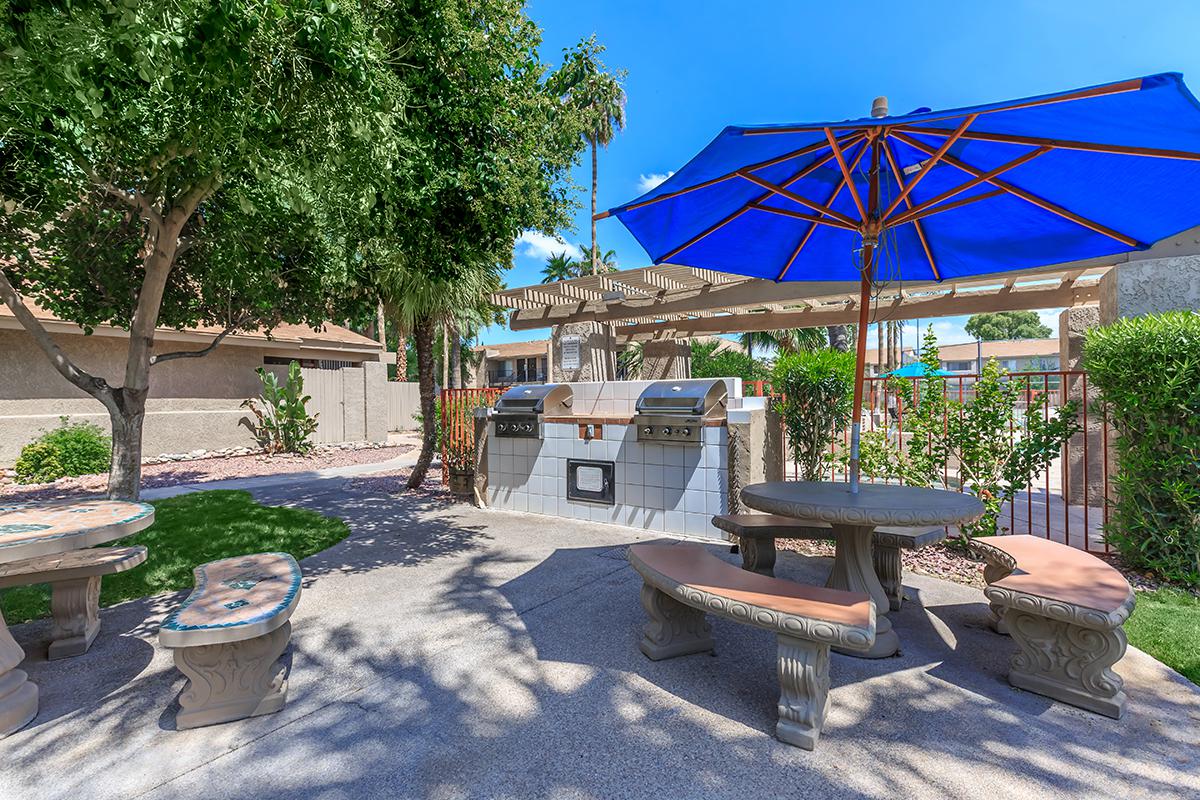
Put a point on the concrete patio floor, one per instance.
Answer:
(448, 652)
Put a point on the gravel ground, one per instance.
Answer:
(203, 471)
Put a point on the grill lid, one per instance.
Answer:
(695, 397)
(539, 398)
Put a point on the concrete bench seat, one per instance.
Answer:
(683, 582)
(229, 635)
(756, 535)
(1064, 608)
(74, 579)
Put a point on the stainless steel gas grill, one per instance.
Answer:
(675, 411)
(519, 411)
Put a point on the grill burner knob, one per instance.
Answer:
(501, 427)
(686, 431)
(647, 430)
(528, 427)
(667, 431)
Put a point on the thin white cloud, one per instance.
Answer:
(537, 245)
(648, 182)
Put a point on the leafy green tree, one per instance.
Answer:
(490, 144)
(184, 163)
(791, 340)
(707, 362)
(814, 396)
(599, 98)
(1007, 325)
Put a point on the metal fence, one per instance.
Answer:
(1067, 502)
(457, 421)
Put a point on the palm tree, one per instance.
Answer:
(560, 267)
(790, 340)
(600, 99)
(607, 261)
(420, 303)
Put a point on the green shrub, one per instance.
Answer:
(816, 395)
(728, 363)
(1148, 372)
(284, 424)
(70, 449)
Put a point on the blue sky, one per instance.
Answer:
(695, 66)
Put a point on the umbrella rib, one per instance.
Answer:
(891, 158)
(929, 164)
(743, 209)
(916, 212)
(784, 212)
(812, 228)
(803, 151)
(1027, 196)
(798, 199)
(1058, 144)
(837, 153)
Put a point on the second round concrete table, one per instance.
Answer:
(853, 518)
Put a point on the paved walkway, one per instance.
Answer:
(447, 652)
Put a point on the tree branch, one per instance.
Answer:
(155, 359)
(96, 387)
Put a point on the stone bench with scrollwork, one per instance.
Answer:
(229, 636)
(682, 582)
(756, 535)
(1064, 608)
(74, 579)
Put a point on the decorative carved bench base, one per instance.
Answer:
(890, 571)
(803, 691)
(674, 629)
(1067, 662)
(75, 606)
(18, 695)
(233, 681)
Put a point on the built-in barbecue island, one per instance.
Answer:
(658, 455)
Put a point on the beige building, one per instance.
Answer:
(1014, 355)
(194, 403)
(512, 363)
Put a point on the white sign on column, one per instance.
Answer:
(570, 351)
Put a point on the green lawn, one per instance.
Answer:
(1166, 624)
(190, 530)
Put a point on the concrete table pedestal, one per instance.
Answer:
(29, 530)
(853, 519)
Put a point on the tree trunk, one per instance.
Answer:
(380, 326)
(401, 358)
(423, 333)
(127, 418)
(839, 338)
(455, 381)
(595, 182)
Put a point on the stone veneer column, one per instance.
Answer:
(597, 350)
(666, 359)
(1073, 325)
(755, 451)
(1150, 287)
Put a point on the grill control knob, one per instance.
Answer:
(528, 427)
(667, 431)
(647, 430)
(686, 431)
(501, 427)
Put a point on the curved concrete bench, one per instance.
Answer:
(74, 579)
(1064, 608)
(228, 637)
(756, 535)
(684, 581)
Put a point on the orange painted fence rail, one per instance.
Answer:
(456, 415)
(1069, 501)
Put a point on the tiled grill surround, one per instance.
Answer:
(660, 487)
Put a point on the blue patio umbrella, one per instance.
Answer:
(934, 195)
(917, 369)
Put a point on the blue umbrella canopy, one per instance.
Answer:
(917, 369)
(964, 192)
(934, 195)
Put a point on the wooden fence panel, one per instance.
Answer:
(327, 390)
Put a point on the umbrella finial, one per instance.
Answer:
(879, 108)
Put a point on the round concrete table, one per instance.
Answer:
(853, 518)
(29, 530)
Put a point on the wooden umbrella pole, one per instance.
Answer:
(870, 232)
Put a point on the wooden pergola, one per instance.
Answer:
(672, 301)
